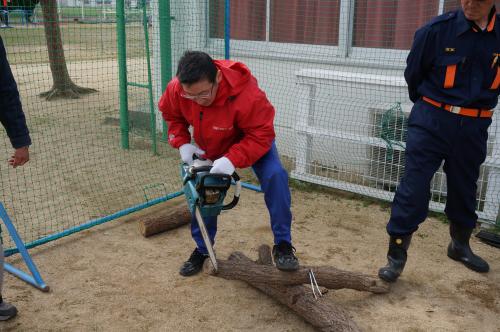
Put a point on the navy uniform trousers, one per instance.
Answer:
(273, 179)
(435, 135)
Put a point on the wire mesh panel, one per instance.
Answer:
(334, 71)
(67, 73)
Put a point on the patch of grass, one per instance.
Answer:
(439, 216)
(82, 42)
(494, 228)
(363, 200)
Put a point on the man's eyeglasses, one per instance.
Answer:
(202, 95)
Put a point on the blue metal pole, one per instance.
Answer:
(36, 280)
(251, 187)
(26, 277)
(227, 28)
(95, 222)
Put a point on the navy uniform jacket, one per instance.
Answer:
(454, 62)
(11, 111)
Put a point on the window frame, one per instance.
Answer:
(344, 52)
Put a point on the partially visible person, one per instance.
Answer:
(453, 76)
(4, 14)
(13, 120)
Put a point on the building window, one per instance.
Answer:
(305, 22)
(390, 24)
(248, 19)
(322, 29)
(290, 21)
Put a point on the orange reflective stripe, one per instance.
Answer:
(432, 102)
(468, 112)
(472, 112)
(486, 114)
(449, 79)
(496, 82)
(491, 24)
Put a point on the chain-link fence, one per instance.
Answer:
(68, 76)
(334, 71)
(332, 68)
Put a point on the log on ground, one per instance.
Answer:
(171, 215)
(326, 276)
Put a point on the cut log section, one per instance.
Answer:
(320, 312)
(170, 216)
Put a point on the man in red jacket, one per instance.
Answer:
(232, 122)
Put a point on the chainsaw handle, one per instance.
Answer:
(191, 172)
(207, 168)
(237, 191)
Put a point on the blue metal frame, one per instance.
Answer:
(95, 222)
(227, 28)
(35, 278)
(251, 187)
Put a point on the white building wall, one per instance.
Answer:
(345, 105)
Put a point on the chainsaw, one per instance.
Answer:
(205, 193)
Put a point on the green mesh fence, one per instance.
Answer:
(332, 68)
(78, 169)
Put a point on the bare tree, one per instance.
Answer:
(63, 85)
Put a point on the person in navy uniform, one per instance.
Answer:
(453, 76)
(13, 120)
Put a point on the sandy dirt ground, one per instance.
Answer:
(110, 278)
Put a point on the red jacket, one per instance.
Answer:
(237, 125)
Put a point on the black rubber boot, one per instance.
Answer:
(284, 257)
(194, 264)
(396, 258)
(7, 310)
(460, 250)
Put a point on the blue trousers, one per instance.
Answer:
(273, 179)
(435, 135)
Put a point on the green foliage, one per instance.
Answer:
(393, 129)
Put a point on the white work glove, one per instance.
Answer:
(223, 165)
(187, 150)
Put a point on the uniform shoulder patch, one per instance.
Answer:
(443, 18)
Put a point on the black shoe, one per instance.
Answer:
(194, 264)
(459, 249)
(7, 310)
(284, 257)
(396, 258)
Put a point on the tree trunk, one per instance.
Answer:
(169, 218)
(63, 86)
(326, 276)
(321, 313)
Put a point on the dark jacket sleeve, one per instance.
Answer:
(419, 61)
(11, 111)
